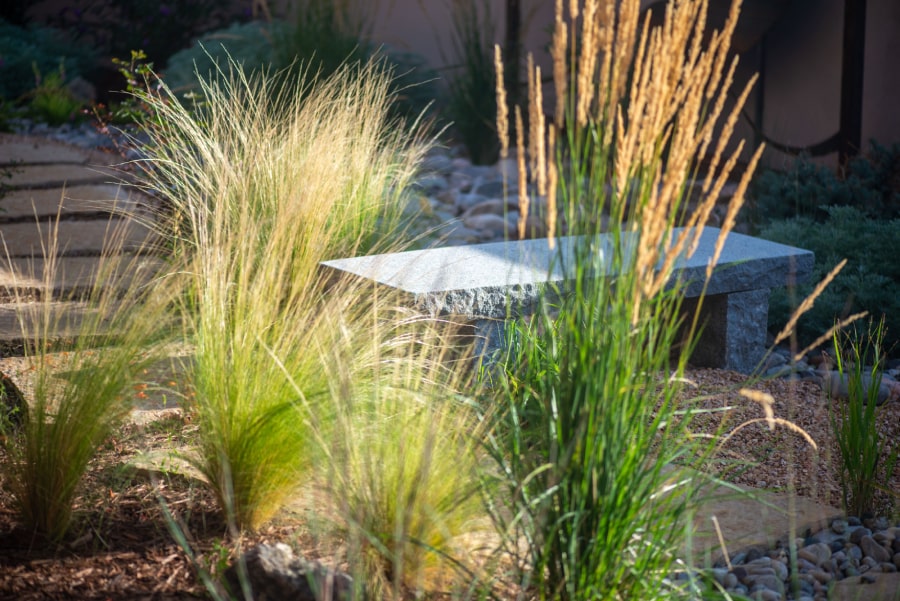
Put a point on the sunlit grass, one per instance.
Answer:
(85, 356)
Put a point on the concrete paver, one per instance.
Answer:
(26, 204)
(88, 237)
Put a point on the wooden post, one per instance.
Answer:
(852, 79)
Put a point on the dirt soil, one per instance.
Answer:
(123, 548)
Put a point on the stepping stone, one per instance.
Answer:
(16, 149)
(73, 277)
(18, 322)
(58, 175)
(105, 198)
(74, 237)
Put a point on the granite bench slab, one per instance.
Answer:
(485, 283)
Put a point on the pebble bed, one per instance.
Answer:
(460, 203)
(849, 548)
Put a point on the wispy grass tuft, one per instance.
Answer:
(399, 449)
(85, 355)
(266, 181)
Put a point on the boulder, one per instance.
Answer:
(274, 573)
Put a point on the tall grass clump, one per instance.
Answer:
(470, 105)
(591, 424)
(265, 181)
(400, 450)
(866, 461)
(85, 356)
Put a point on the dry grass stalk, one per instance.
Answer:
(763, 398)
(522, 172)
(502, 106)
(807, 303)
(560, 73)
(587, 63)
(829, 334)
(552, 183)
(536, 127)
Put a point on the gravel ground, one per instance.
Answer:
(782, 460)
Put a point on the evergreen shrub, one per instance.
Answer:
(871, 183)
(25, 51)
(870, 281)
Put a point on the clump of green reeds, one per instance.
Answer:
(86, 353)
(591, 423)
(866, 462)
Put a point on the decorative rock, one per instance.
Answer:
(730, 581)
(815, 553)
(765, 594)
(837, 386)
(857, 534)
(464, 202)
(873, 550)
(274, 573)
(839, 526)
(493, 206)
(753, 553)
(767, 581)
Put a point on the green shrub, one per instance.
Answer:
(51, 101)
(866, 465)
(116, 27)
(248, 45)
(871, 184)
(288, 51)
(24, 51)
(869, 282)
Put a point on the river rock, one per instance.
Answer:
(871, 548)
(815, 553)
(837, 386)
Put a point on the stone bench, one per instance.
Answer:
(485, 283)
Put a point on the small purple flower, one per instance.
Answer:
(165, 10)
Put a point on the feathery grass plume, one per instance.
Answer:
(588, 425)
(552, 183)
(271, 179)
(537, 127)
(558, 51)
(502, 105)
(587, 61)
(86, 353)
(524, 201)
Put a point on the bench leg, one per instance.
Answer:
(734, 332)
